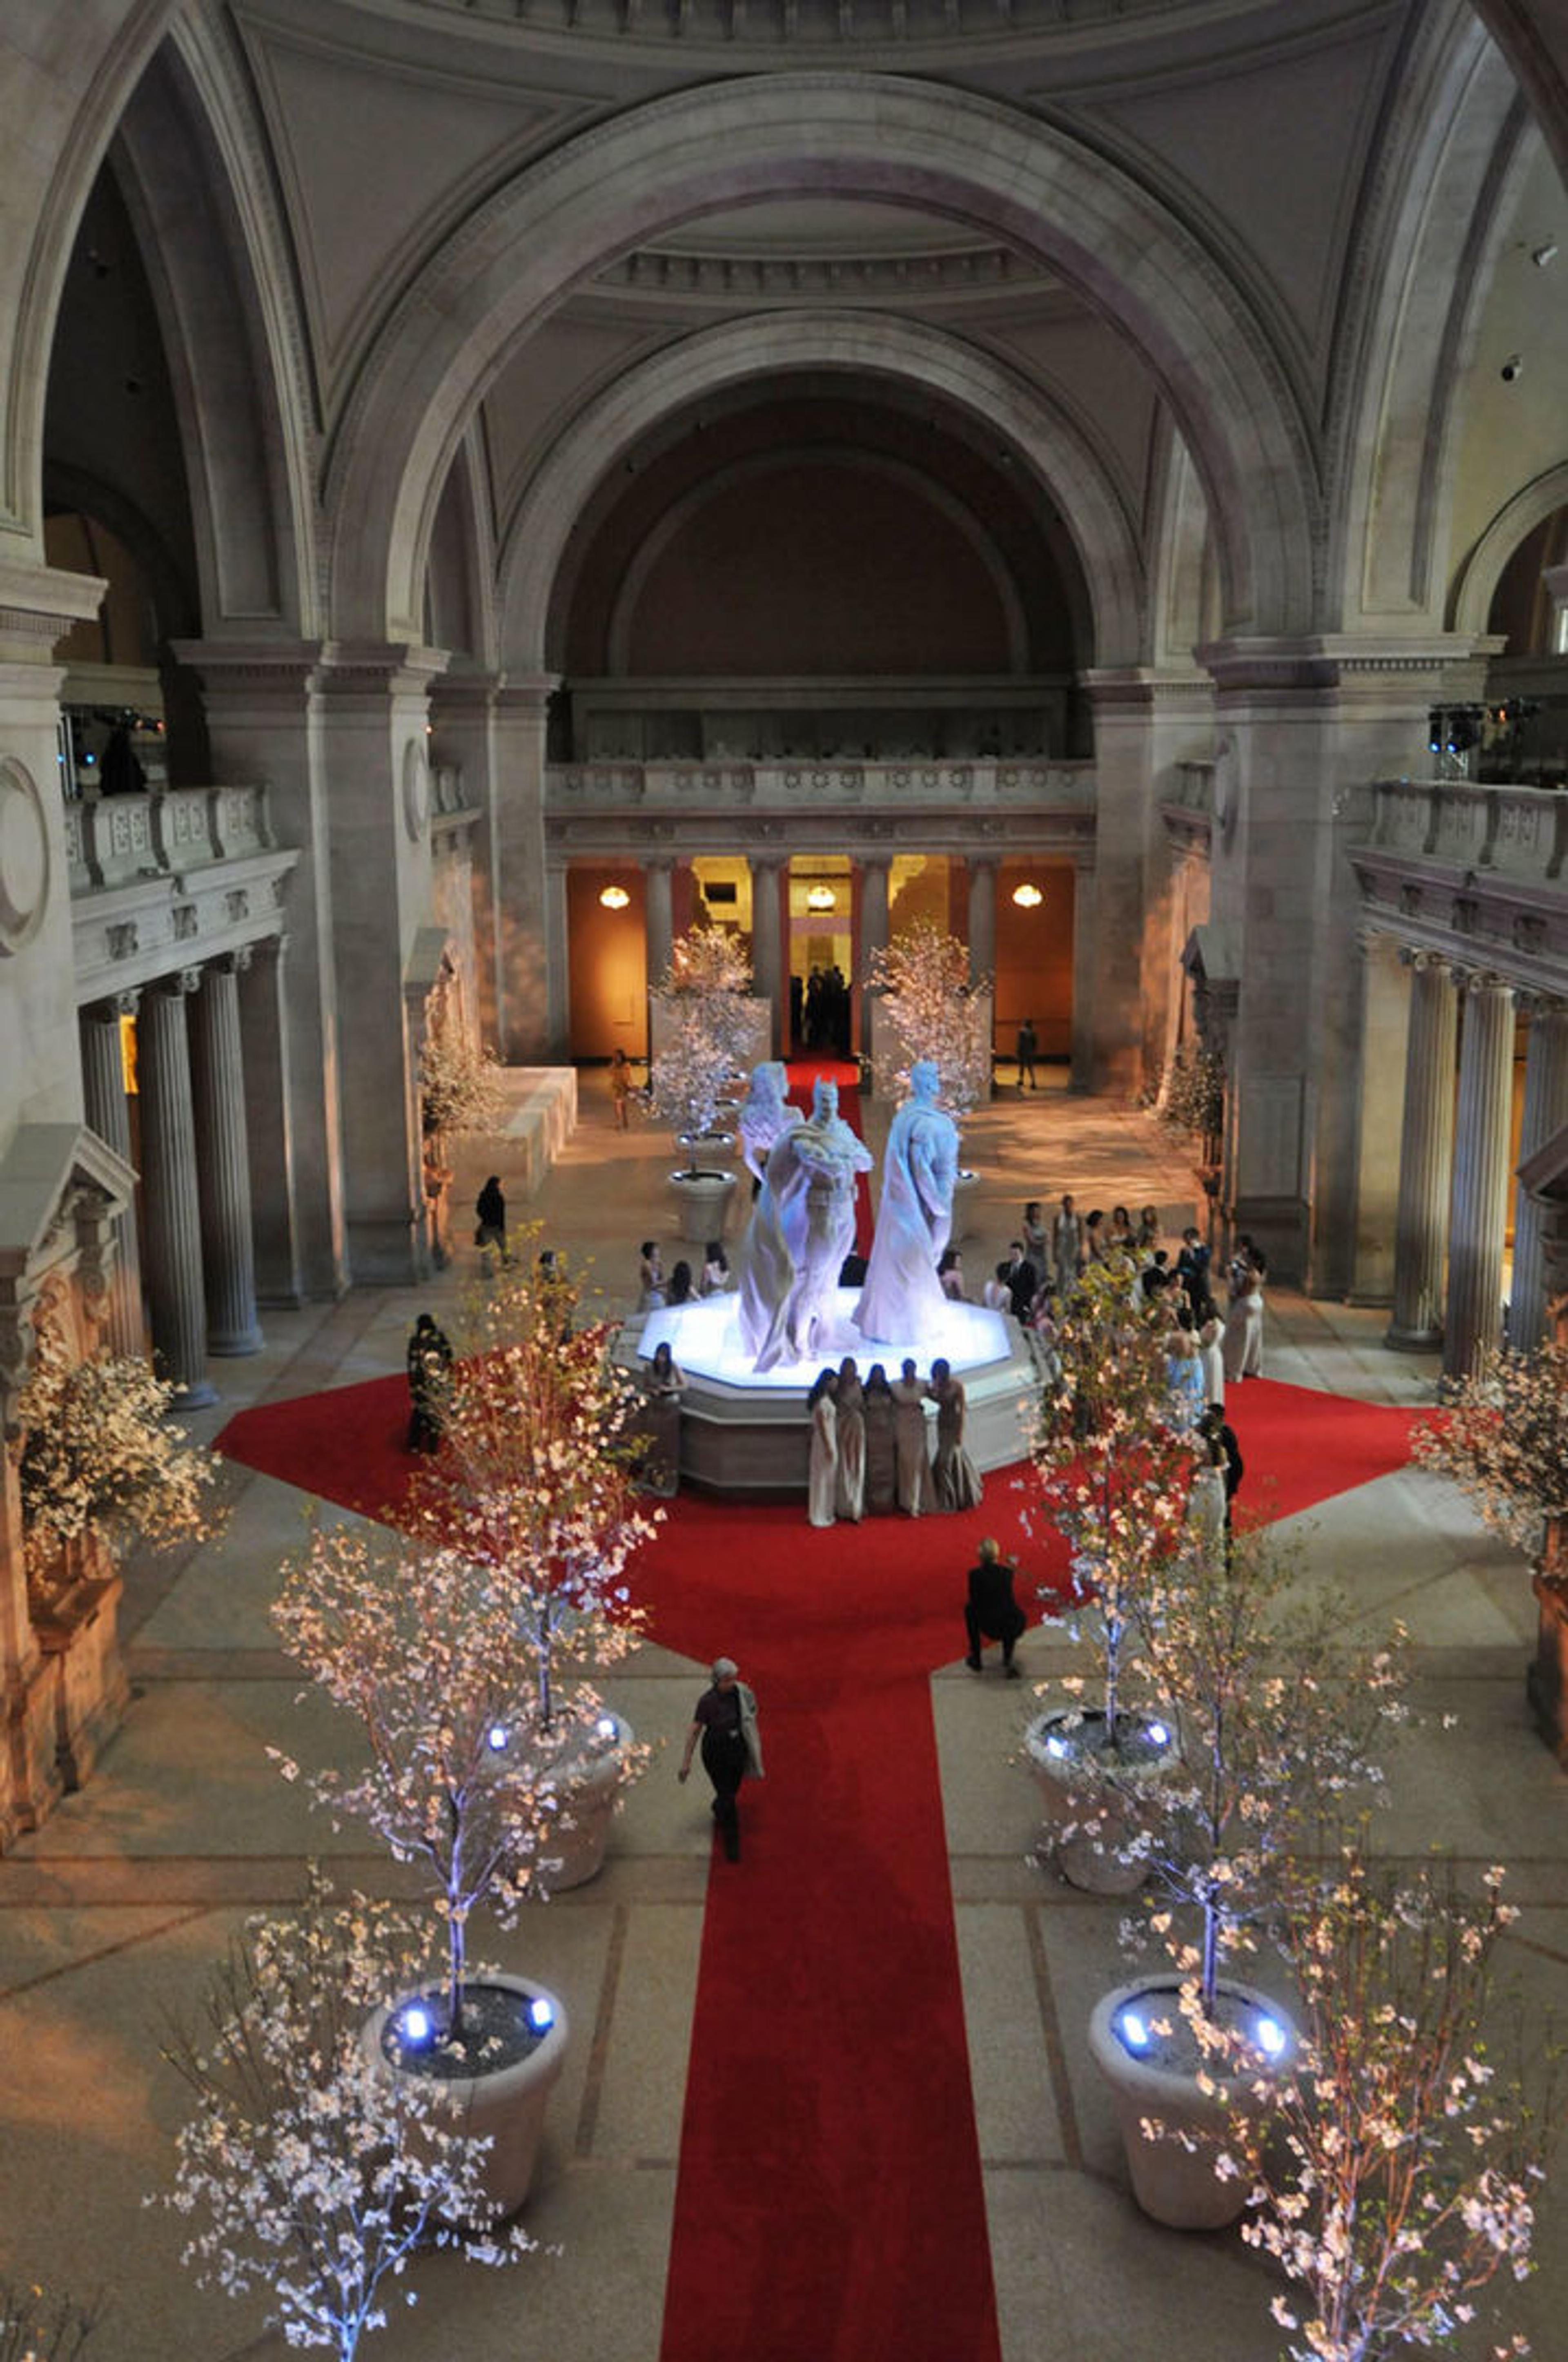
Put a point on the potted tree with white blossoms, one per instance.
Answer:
(1503, 1438)
(426, 1647)
(1110, 1475)
(459, 1091)
(101, 1468)
(536, 1482)
(1279, 1724)
(1400, 2170)
(307, 2174)
(702, 1037)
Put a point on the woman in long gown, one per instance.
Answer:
(881, 1453)
(821, 1482)
(913, 1463)
(849, 1403)
(956, 1480)
(1244, 1322)
(664, 1383)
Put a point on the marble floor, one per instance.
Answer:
(110, 1915)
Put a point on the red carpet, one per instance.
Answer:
(830, 2204)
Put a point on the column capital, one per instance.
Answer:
(1485, 979)
(176, 985)
(112, 1006)
(1542, 1007)
(524, 694)
(1423, 961)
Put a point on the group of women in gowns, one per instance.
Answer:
(869, 1451)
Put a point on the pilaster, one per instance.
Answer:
(1426, 1156)
(223, 1161)
(1478, 1223)
(530, 955)
(1385, 1047)
(171, 1189)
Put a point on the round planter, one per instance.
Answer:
(589, 1784)
(1173, 2166)
(703, 1201)
(1105, 1857)
(505, 2105)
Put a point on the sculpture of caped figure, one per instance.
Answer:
(920, 1171)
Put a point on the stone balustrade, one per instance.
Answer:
(113, 841)
(791, 787)
(1516, 833)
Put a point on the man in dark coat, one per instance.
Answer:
(991, 1612)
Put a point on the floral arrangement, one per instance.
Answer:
(100, 1457)
(307, 2173)
(535, 1480)
(1279, 1722)
(38, 2328)
(1109, 1472)
(705, 1032)
(459, 1086)
(934, 1013)
(427, 1649)
(1400, 2173)
(1503, 1438)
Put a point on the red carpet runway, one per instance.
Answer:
(830, 2206)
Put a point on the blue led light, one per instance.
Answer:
(498, 1736)
(541, 2016)
(1055, 1746)
(1134, 2030)
(1159, 1734)
(416, 2025)
(1270, 2036)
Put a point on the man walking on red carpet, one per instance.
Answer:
(725, 1724)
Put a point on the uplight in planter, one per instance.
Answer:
(1055, 1746)
(541, 2016)
(1134, 2028)
(1159, 1734)
(607, 1728)
(1269, 2035)
(498, 1735)
(416, 2025)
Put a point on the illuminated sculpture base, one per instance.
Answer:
(745, 1432)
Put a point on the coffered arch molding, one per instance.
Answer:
(969, 159)
(1483, 568)
(870, 345)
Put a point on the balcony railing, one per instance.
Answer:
(789, 787)
(1519, 833)
(116, 840)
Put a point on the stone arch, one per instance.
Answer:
(1479, 575)
(86, 66)
(714, 487)
(1055, 451)
(1021, 179)
(213, 250)
(1410, 325)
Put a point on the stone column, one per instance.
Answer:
(108, 1113)
(871, 938)
(557, 1044)
(222, 1163)
(264, 721)
(1385, 1048)
(1545, 1112)
(527, 953)
(171, 1189)
(1086, 954)
(1425, 1158)
(768, 939)
(982, 918)
(658, 887)
(269, 1127)
(1479, 1222)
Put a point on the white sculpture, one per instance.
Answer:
(765, 1262)
(802, 1228)
(920, 1170)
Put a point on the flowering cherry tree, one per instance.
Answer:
(426, 1647)
(307, 2174)
(1403, 2174)
(1503, 1438)
(1110, 1472)
(534, 1479)
(1280, 1721)
(100, 1458)
(934, 1013)
(704, 1032)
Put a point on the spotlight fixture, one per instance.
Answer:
(416, 2025)
(1134, 2030)
(615, 898)
(541, 2016)
(1269, 2035)
(1544, 253)
(821, 898)
(1028, 896)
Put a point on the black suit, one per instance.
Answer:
(991, 1612)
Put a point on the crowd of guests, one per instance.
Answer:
(820, 1011)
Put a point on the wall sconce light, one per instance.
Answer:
(1028, 896)
(615, 898)
(821, 898)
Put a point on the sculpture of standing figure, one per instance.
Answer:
(806, 1212)
(918, 1174)
(766, 1260)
